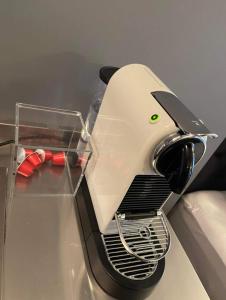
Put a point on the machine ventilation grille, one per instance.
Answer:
(127, 265)
(146, 193)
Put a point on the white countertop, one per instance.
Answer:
(44, 257)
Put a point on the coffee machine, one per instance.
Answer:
(146, 145)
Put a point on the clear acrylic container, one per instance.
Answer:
(55, 130)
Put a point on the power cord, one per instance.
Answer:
(7, 142)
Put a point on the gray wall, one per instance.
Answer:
(51, 50)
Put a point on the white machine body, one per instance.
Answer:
(124, 138)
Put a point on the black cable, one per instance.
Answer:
(7, 142)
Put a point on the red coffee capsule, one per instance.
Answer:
(58, 159)
(48, 155)
(26, 169)
(34, 159)
(28, 152)
(41, 154)
(22, 154)
(45, 155)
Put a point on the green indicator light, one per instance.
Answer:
(154, 118)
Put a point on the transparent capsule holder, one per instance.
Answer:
(59, 132)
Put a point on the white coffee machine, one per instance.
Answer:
(146, 144)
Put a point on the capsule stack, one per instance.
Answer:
(29, 161)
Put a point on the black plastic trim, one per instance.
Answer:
(182, 116)
(106, 73)
(106, 276)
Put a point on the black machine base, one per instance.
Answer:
(111, 281)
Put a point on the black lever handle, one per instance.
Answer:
(177, 165)
(186, 168)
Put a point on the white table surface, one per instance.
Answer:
(44, 258)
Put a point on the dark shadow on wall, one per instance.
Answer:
(64, 80)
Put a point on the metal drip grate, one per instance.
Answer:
(146, 238)
(127, 265)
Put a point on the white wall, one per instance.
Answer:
(51, 50)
